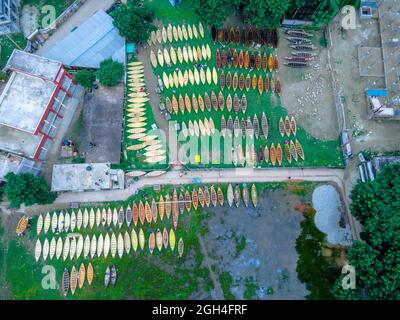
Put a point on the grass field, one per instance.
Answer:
(318, 153)
(7, 46)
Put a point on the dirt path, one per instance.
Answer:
(219, 294)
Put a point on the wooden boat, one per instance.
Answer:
(207, 101)
(195, 199)
(258, 62)
(230, 196)
(164, 238)
(218, 59)
(235, 81)
(121, 217)
(168, 206)
(270, 63)
(223, 125)
(52, 248)
(113, 245)
(196, 128)
(89, 273)
(207, 127)
(235, 59)
(180, 33)
(152, 242)
(142, 239)
(276, 63)
(141, 212)
(153, 59)
(181, 104)
(244, 103)
(209, 76)
(159, 36)
(127, 242)
(230, 125)
(253, 155)
(299, 59)
(236, 127)
(287, 126)
(221, 101)
(236, 103)
(249, 128)
(264, 125)
(203, 76)
(246, 61)
(293, 125)
(199, 54)
(272, 154)
(278, 87)
(200, 103)
(188, 105)
(215, 76)
(65, 282)
(248, 82)
(154, 210)
(266, 154)
(81, 276)
(223, 59)
(106, 245)
(254, 195)
(252, 60)
(180, 247)
(73, 279)
(229, 57)
(256, 126)
(194, 53)
(299, 149)
(61, 221)
(120, 245)
(135, 215)
(107, 277)
(160, 58)
(228, 80)
(113, 275)
(254, 82)
(220, 197)
(303, 54)
(59, 248)
(134, 240)
(147, 210)
(201, 197)
(296, 64)
(159, 240)
(264, 62)
(188, 201)
(46, 223)
(208, 51)
(184, 130)
(279, 154)
(175, 205)
(293, 151)
(172, 239)
(237, 196)
(298, 33)
(39, 224)
(241, 82)
(213, 195)
(260, 84)
(240, 59)
(181, 203)
(288, 155)
(281, 127)
(214, 101)
(65, 252)
(229, 103)
(161, 207)
(72, 248)
(207, 196)
(93, 246)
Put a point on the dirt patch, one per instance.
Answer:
(307, 93)
(269, 258)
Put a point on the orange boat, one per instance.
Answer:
(181, 104)
(195, 199)
(264, 62)
(201, 102)
(270, 63)
(246, 60)
(207, 196)
(260, 85)
(188, 201)
(235, 59)
(213, 196)
(135, 211)
(235, 81)
(299, 149)
(279, 154)
(220, 196)
(175, 207)
(248, 82)
(161, 207)
(241, 82)
(201, 197)
(152, 242)
(258, 62)
(147, 210)
(188, 105)
(195, 105)
(174, 104)
(240, 59)
(168, 206)
(141, 212)
(154, 210)
(276, 62)
(272, 154)
(254, 82)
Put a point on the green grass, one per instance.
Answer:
(7, 46)
(318, 153)
(226, 281)
(251, 289)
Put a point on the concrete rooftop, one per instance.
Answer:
(18, 142)
(23, 101)
(33, 64)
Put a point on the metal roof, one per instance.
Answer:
(92, 42)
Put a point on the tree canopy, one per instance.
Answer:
(214, 12)
(110, 72)
(28, 189)
(376, 259)
(266, 14)
(85, 78)
(134, 21)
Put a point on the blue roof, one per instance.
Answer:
(377, 93)
(371, 4)
(92, 42)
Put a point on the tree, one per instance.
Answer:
(376, 260)
(110, 72)
(266, 14)
(134, 21)
(214, 12)
(27, 188)
(85, 78)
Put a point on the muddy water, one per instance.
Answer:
(270, 257)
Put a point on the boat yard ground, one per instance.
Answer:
(248, 253)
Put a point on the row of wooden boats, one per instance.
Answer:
(76, 278)
(298, 33)
(256, 83)
(245, 128)
(273, 154)
(203, 128)
(110, 276)
(247, 36)
(137, 121)
(246, 59)
(176, 33)
(287, 126)
(235, 195)
(96, 247)
(299, 41)
(177, 78)
(180, 55)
